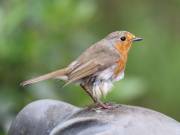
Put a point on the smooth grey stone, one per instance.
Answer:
(51, 117)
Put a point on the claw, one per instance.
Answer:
(104, 106)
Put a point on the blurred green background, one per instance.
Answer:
(38, 36)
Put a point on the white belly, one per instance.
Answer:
(104, 81)
(108, 74)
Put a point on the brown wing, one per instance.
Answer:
(97, 58)
(82, 71)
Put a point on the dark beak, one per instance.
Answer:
(137, 39)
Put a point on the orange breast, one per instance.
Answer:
(121, 63)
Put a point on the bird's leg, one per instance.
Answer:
(89, 93)
(97, 102)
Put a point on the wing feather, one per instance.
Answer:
(83, 71)
(96, 58)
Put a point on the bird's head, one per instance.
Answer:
(122, 40)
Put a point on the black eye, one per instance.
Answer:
(123, 38)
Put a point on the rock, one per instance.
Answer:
(51, 117)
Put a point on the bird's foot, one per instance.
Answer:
(105, 106)
(99, 106)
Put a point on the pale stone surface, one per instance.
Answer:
(53, 117)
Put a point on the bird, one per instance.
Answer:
(98, 67)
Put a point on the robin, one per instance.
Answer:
(98, 67)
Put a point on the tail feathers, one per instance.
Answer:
(56, 74)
